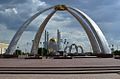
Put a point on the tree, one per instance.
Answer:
(117, 52)
(18, 52)
(42, 51)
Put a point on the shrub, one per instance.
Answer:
(17, 52)
(42, 51)
(117, 52)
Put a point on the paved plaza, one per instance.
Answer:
(66, 76)
(77, 62)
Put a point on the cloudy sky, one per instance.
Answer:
(106, 13)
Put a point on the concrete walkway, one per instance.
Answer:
(59, 76)
(78, 62)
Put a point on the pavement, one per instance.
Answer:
(59, 76)
(77, 62)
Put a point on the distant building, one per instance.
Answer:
(52, 46)
(52, 41)
(58, 40)
(3, 48)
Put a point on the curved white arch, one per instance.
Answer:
(97, 32)
(88, 30)
(90, 34)
(12, 45)
(95, 35)
(38, 35)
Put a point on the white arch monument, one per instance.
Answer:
(97, 39)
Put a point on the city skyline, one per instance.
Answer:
(13, 13)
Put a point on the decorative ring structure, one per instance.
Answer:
(67, 47)
(76, 47)
(97, 39)
(82, 51)
(70, 48)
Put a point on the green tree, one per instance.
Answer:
(42, 51)
(18, 52)
(116, 52)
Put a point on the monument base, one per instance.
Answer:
(104, 55)
(62, 57)
(34, 57)
(9, 56)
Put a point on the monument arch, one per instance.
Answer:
(97, 39)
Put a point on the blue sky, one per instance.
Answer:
(106, 13)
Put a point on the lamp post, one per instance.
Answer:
(17, 50)
(41, 48)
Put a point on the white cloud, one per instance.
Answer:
(39, 3)
(9, 11)
(15, 11)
